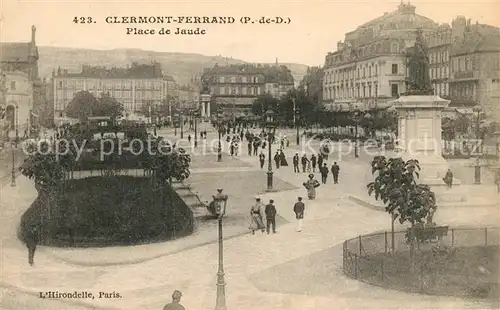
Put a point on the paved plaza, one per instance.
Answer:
(288, 270)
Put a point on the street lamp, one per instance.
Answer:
(219, 123)
(296, 118)
(271, 128)
(477, 166)
(195, 115)
(13, 180)
(182, 125)
(356, 121)
(220, 200)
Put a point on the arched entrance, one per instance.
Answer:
(10, 117)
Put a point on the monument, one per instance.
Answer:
(419, 122)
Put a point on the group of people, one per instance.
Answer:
(263, 217)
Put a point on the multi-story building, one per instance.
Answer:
(235, 87)
(22, 93)
(475, 72)
(369, 67)
(440, 44)
(312, 83)
(188, 97)
(133, 86)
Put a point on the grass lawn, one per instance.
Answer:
(241, 188)
(104, 211)
(457, 275)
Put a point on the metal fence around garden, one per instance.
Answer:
(470, 255)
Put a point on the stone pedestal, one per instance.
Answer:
(419, 138)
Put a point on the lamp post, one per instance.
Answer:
(182, 125)
(220, 200)
(271, 128)
(297, 119)
(477, 166)
(219, 145)
(13, 180)
(356, 122)
(195, 115)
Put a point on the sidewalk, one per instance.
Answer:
(329, 220)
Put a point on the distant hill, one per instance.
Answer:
(182, 66)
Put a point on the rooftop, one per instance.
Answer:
(136, 71)
(272, 73)
(476, 43)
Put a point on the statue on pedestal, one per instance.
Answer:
(418, 81)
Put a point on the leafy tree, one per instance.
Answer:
(81, 106)
(108, 106)
(43, 166)
(264, 102)
(404, 198)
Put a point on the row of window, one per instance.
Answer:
(365, 51)
(466, 91)
(250, 90)
(342, 75)
(238, 79)
(128, 105)
(109, 84)
(440, 89)
(439, 73)
(439, 57)
(365, 91)
(439, 39)
(115, 93)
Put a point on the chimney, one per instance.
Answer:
(33, 34)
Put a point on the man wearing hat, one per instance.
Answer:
(270, 216)
(299, 208)
(175, 304)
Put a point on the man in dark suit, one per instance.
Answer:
(296, 163)
(271, 216)
(335, 172)
(299, 208)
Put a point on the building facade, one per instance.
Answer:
(475, 73)
(234, 88)
(456, 57)
(134, 86)
(369, 68)
(22, 93)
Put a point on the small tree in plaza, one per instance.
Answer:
(396, 185)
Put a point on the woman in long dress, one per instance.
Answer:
(311, 185)
(256, 215)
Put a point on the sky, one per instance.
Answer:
(314, 30)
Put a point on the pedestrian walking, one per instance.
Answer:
(249, 148)
(335, 172)
(277, 160)
(256, 215)
(283, 161)
(295, 161)
(299, 209)
(176, 302)
(255, 146)
(309, 166)
(31, 238)
(311, 184)
(324, 173)
(304, 162)
(189, 139)
(262, 159)
(320, 161)
(270, 216)
(448, 178)
(313, 162)
(287, 143)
